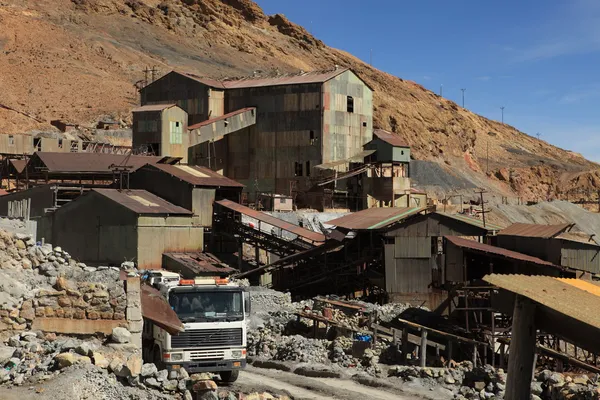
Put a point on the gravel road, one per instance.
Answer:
(302, 387)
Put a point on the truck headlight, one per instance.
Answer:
(236, 354)
(176, 356)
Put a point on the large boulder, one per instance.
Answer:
(6, 353)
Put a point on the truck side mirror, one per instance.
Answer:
(247, 303)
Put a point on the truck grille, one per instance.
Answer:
(207, 355)
(207, 337)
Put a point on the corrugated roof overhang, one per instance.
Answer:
(375, 218)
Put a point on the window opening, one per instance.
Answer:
(350, 104)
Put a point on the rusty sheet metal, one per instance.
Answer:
(279, 223)
(204, 80)
(390, 138)
(156, 309)
(486, 248)
(195, 264)
(142, 202)
(153, 107)
(90, 162)
(534, 230)
(375, 218)
(18, 165)
(197, 176)
(471, 221)
(555, 294)
(290, 79)
(222, 117)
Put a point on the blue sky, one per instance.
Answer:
(540, 59)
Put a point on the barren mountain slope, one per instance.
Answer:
(79, 60)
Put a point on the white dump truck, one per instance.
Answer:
(214, 314)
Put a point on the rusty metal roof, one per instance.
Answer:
(222, 117)
(375, 218)
(391, 138)
(196, 175)
(557, 295)
(202, 79)
(279, 223)
(190, 265)
(142, 202)
(89, 162)
(18, 165)
(471, 221)
(534, 230)
(288, 79)
(488, 249)
(156, 309)
(153, 107)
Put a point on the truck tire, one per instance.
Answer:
(229, 376)
(157, 358)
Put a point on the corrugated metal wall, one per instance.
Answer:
(42, 197)
(158, 235)
(202, 206)
(345, 133)
(580, 256)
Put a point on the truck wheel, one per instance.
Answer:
(229, 376)
(157, 358)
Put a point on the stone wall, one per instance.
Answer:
(134, 309)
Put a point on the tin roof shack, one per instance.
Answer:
(387, 183)
(553, 244)
(162, 130)
(108, 124)
(40, 198)
(275, 202)
(109, 226)
(414, 257)
(64, 126)
(222, 143)
(191, 187)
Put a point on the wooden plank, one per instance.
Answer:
(441, 333)
(522, 350)
(414, 339)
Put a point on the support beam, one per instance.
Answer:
(423, 355)
(522, 350)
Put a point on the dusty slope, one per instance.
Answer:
(79, 59)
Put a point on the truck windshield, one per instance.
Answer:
(199, 306)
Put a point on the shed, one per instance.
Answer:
(390, 147)
(191, 187)
(162, 130)
(108, 226)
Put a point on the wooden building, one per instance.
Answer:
(387, 180)
(162, 130)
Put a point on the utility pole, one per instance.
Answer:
(538, 135)
(502, 108)
(371, 58)
(487, 156)
(146, 71)
(154, 73)
(442, 90)
(483, 211)
(463, 96)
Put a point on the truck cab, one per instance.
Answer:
(214, 314)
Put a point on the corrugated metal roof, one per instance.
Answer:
(196, 264)
(290, 79)
(153, 107)
(486, 248)
(279, 223)
(374, 218)
(196, 175)
(142, 202)
(202, 79)
(554, 294)
(90, 162)
(534, 230)
(471, 221)
(157, 310)
(583, 285)
(222, 117)
(391, 138)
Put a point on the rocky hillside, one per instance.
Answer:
(80, 59)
